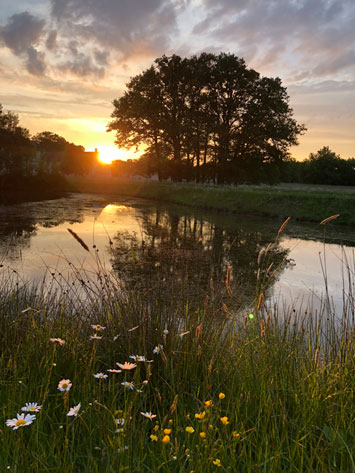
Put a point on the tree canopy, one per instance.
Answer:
(206, 117)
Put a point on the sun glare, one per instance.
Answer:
(107, 154)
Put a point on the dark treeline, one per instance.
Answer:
(34, 166)
(206, 117)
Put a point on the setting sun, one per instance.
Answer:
(107, 154)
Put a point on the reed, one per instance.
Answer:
(268, 390)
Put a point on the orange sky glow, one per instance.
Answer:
(62, 63)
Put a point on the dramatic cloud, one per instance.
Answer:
(22, 32)
(314, 38)
(119, 30)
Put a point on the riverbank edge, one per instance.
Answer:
(310, 205)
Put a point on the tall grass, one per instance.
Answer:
(272, 392)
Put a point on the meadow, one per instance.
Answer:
(99, 376)
(306, 202)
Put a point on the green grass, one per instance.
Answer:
(308, 203)
(288, 381)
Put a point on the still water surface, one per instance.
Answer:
(147, 242)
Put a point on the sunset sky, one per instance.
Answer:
(62, 62)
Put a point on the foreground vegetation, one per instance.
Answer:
(304, 202)
(209, 389)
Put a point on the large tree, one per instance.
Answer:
(208, 110)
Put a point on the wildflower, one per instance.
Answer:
(235, 435)
(126, 366)
(190, 430)
(208, 403)
(203, 435)
(133, 328)
(224, 420)
(217, 462)
(57, 340)
(31, 407)
(153, 438)
(165, 332)
(158, 349)
(200, 415)
(21, 421)
(156, 427)
(114, 371)
(64, 385)
(95, 337)
(98, 327)
(100, 376)
(120, 421)
(148, 415)
(140, 358)
(115, 338)
(166, 439)
(74, 411)
(167, 431)
(221, 395)
(128, 385)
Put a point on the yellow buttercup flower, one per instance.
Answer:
(217, 462)
(154, 438)
(221, 395)
(235, 435)
(166, 439)
(167, 431)
(200, 415)
(208, 403)
(156, 427)
(203, 435)
(190, 430)
(224, 420)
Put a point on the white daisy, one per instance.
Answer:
(114, 371)
(128, 385)
(98, 327)
(126, 365)
(120, 421)
(100, 376)
(133, 328)
(21, 421)
(148, 415)
(64, 385)
(31, 407)
(74, 411)
(158, 349)
(138, 357)
(166, 331)
(95, 337)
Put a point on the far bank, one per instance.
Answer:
(301, 202)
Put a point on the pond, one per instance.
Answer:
(191, 253)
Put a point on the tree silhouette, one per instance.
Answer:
(206, 108)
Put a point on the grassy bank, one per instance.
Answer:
(306, 203)
(254, 392)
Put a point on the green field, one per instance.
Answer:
(227, 391)
(302, 202)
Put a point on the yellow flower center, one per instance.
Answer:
(32, 409)
(21, 422)
(64, 386)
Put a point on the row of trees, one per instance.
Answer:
(206, 117)
(322, 167)
(43, 153)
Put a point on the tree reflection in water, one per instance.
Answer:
(186, 258)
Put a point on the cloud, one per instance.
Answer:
(22, 32)
(312, 38)
(124, 28)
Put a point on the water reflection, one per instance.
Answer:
(188, 258)
(175, 251)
